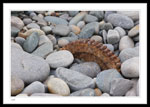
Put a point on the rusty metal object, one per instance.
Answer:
(90, 50)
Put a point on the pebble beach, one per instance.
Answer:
(40, 68)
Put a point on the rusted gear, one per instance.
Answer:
(90, 50)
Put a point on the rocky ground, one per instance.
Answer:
(39, 68)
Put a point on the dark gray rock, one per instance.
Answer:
(120, 86)
(90, 69)
(31, 42)
(75, 80)
(116, 46)
(120, 20)
(136, 38)
(104, 78)
(56, 20)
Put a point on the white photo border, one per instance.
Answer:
(8, 7)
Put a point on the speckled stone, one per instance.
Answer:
(17, 85)
(58, 86)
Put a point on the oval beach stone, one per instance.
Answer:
(120, 20)
(61, 58)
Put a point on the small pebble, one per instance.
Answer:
(17, 85)
(75, 29)
(97, 92)
(113, 37)
(62, 42)
(134, 31)
(46, 29)
(97, 38)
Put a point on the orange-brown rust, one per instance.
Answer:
(90, 50)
